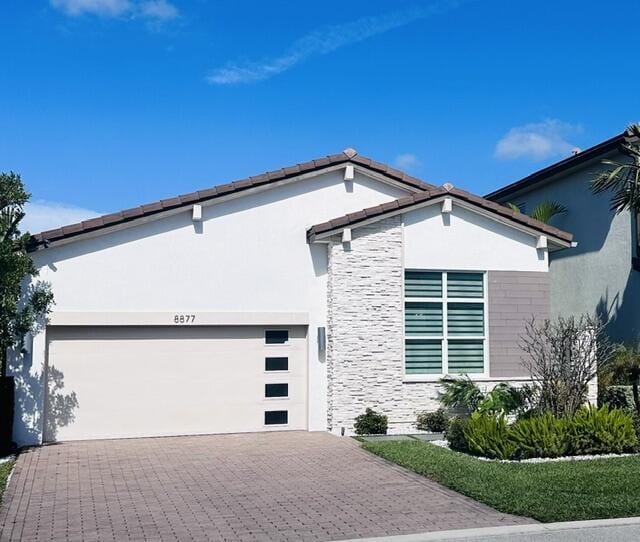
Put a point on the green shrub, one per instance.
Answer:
(616, 397)
(433, 421)
(600, 431)
(636, 426)
(454, 434)
(488, 436)
(539, 436)
(371, 423)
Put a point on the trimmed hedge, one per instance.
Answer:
(371, 423)
(436, 422)
(590, 431)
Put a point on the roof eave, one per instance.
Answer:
(579, 160)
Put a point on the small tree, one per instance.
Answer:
(23, 301)
(563, 356)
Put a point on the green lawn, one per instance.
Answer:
(555, 491)
(5, 470)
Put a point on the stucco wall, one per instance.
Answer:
(466, 241)
(248, 254)
(595, 277)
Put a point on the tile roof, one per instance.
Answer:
(347, 156)
(405, 203)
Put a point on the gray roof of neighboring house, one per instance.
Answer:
(278, 175)
(582, 157)
(406, 203)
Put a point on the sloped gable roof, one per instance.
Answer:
(265, 179)
(407, 203)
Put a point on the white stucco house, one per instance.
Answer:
(290, 300)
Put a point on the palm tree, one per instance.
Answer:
(623, 179)
(544, 211)
(625, 367)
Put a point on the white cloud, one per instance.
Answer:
(321, 42)
(407, 161)
(156, 10)
(537, 141)
(42, 215)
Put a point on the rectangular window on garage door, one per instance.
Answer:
(276, 336)
(276, 417)
(276, 364)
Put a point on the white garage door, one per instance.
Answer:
(118, 382)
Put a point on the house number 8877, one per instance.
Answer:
(184, 318)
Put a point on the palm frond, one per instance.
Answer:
(622, 178)
(546, 210)
(512, 206)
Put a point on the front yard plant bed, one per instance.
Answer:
(550, 491)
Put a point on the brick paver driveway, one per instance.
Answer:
(269, 486)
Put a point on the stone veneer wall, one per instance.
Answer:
(365, 329)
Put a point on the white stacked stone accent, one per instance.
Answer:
(366, 331)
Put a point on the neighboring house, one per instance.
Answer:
(290, 300)
(601, 275)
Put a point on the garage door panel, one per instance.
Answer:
(132, 382)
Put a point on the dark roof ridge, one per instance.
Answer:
(567, 163)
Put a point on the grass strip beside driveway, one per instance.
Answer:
(552, 491)
(5, 471)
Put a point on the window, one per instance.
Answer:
(276, 417)
(276, 390)
(445, 328)
(276, 336)
(276, 364)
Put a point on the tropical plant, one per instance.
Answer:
(460, 393)
(563, 356)
(488, 436)
(506, 399)
(622, 178)
(371, 423)
(625, 368)
(543, 211)
(540, 436)
(601, 430)
(24, 302)
(464, 394)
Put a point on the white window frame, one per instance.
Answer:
(444, 337)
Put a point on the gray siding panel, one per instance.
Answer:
(514, 297)
(596, 277)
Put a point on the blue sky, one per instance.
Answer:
(107, 104)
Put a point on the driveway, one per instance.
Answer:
(263, 486)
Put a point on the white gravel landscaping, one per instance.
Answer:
(445, 444)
